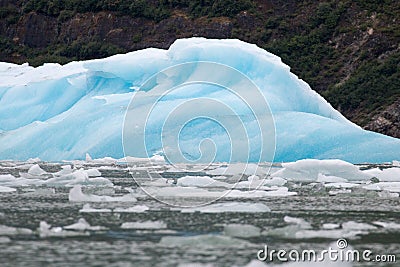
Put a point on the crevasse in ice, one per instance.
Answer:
(63, 112)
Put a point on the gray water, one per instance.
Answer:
(189, 237)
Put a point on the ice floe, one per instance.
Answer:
(83, 225)
(36, 170)
(243, 207)
(10, 231)
(241, 230)
(76, 195)
(311, 169)
(6, 189)
(144, 225)
(200, 241)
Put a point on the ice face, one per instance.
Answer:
(63, 112)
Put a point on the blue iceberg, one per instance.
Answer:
(59, 112)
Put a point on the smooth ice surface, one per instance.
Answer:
(321, 170)
(76, 195)
(63, 112)
(229, 207)
(144, 225)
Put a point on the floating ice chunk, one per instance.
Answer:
(134, 209)
(88, 209)
(35, 170)
(328, 234)
(6, 178)
(200, 181)
(240, 207)
(65, 170)
(88, 158)
(388, 225)
(144, 225)
(201, 241)
(10, 181)
(387, 186)
(396, 163)
(330, 226)
(241, 230)
(277, 181)
(239, 169)
(386, 194)
(93, 172)
(45, 230)
(274, 192)
(8, 231)
(33, 160)
(336, 192)
(309, 169)
(351, 225)
(105, 160)
(330, 179)
(298, 221)
(385, 175)
(77, 177)
(83, 225)
(4, 239)
(158, 158)
(76, 195)
(5, 189)
(341, 185)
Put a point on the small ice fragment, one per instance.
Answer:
(309, 169)
(241, 207)
(329, 234)
(277, 181)
(336, 192)
(134, 209)
(330, 179)
(144, 225)
(65, 169)
(388, 225)
(45, 230)
(33, 160)
(351, 225)
(6, 189)
(201, 241)
(4, 239)
(35, 170)
(76, 195)
(330, 226)
(396, 163)
(387, 194)
(93, 172)
(88, 209)
(83, 225)
(241, 230)
(8, 231)
(200, 181)
(88, 158)
(298, 221)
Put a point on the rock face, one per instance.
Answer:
(388, 121)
